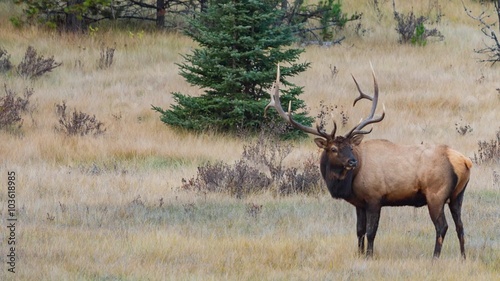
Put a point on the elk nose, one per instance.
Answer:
(352, 162)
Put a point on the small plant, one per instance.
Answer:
(489, 151)
(463, 129)
(50, 217)
(418, 38)
(34, 66)
(77, 123)
(12, 106)
(106, 57)
(93, 30)
(137, 202)
(253, 209)
(334, 71)
(5, 64)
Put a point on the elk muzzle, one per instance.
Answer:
(351, 164)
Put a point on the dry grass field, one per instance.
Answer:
(110, 207)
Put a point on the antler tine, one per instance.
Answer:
(361, 94)
(287, 116)
(370, 119)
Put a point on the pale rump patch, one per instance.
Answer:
(461, 166)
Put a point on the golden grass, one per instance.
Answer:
(109, 208)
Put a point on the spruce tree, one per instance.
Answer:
(240, 44)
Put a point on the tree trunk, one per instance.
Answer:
(284, 5)
(160, 13)
(74, 23)
(203, 6)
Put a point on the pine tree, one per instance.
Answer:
(240, 43)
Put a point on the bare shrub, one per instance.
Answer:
(106, 57)
(268, 151)
(306, 182)
(77, 123)
(34, 66)
(260, 169)
(238, 180)
(5, 64)
(489, 151)
(12, 106)
(411, 28)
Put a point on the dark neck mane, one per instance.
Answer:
(338, 180)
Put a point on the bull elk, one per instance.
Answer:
(376, 173)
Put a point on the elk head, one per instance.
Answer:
(338, 155)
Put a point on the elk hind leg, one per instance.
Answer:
(436, 211)
(361, 229)
(456, 209)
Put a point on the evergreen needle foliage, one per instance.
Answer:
(240, 44)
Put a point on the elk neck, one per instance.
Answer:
(338, 179)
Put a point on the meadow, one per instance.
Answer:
(111, 208)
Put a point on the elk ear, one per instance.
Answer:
(321, 143)
(356, 139)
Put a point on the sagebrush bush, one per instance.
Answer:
(34, 66)
(260, 169)
(5, 64)
(12, 106)
(77, 123)
(489, 151)
(411, 29)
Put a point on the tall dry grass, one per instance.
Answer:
(109, 208)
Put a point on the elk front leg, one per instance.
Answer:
(372, 218)
(361, 229)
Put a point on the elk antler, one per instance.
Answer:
(370, 120)
(357, 130)
(287, 116)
